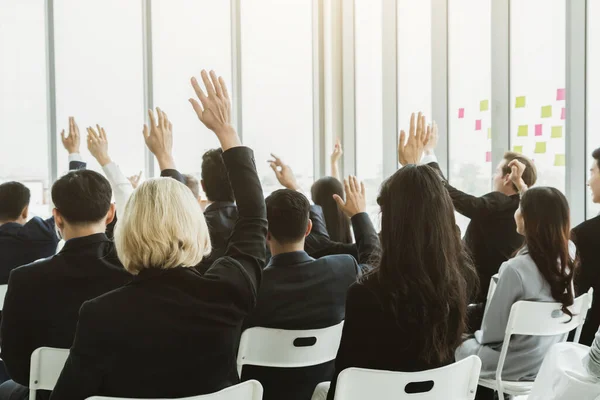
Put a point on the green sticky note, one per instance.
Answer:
(484, 105)
(557, 132)
(523, 131)
(540, 148)
(521, 102)
(559, 160)
(546, 111)
(489, 133)
(518, 149)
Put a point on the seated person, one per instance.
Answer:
(541, 271)
(587, 238)
(173, 332)
(298, 292)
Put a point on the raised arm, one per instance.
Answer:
(72, 143)
(337, 153)
(159, 140)
(283, 173)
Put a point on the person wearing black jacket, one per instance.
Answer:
(173, 332)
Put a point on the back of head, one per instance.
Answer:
(546, 218)
(288, 215)
(192, 183)
(423, 263)
(530, 173)
(14, 197)
(82, 197)
(338, 224)
(161, 227)
(215, 178)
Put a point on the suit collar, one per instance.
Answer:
(84, 241)
(152, 273)
(290, 259)
(218, 205)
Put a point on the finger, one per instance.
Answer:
(224, 88)
(62, 135)
(197, 107)
(199, 91)
(161, 118)
(139, 176)
(71, 128)
(339, 201)
(151, 117)
(145, 132)
(419, 132)
(103, 134)
(166, 119)
(75, 127)
(363, 191)
(346, 187)
(402, 140)
(170, 126)
(411, 132)
(277, 160)
(427, 136)
(99, 131)
(354, 184)
(209, 86)
(216, 84)
(92, 133)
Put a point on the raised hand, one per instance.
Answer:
(284, 173)
(73, 141)
(98, 145)
(135, 180)
(516, 175)
(214, 109)
(159, 139)
(433, 139)
(356, 199)
(410, 151)
(338, 151)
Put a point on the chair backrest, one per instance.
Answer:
(3, 289)
(46, 365)
(249, 390)
(281, 348)
(457, 381)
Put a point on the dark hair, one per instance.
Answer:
(192, 183)
(287, 214)
(14, 197)
(596, 155)
(214, 175)
(530, 173)
(424, 267)
(338, 224)
(547, 219)
(82, 196)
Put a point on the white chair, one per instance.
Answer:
(46, 365)
(457, 381)
(249, 390)
(536, 319)
(281, 348)
(3, 289)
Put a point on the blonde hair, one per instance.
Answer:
(162, 226)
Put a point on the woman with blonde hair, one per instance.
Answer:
(173, 332)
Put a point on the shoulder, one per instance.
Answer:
(36, 268)
(517, 266)
(342, 263)
(588, 229)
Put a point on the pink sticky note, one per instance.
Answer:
(478, 125)
(560, 94)
(461, 113)
(563, 113)
(488, 156)
(538, 130)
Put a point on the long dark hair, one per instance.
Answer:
(338, 225)
(424, 266)
(547, 222)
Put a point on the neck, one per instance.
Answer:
(14, 221)
(73, 232)
(277, 248)
(509, 191)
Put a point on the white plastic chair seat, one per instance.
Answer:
(46, 365)
(510, 387)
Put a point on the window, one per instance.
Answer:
(537, 87)
(593, 82)
(368, 93)
(99, 75)
(23, 126)
(277, 86)
(181, 30)
(470, 78)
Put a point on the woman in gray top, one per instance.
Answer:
(541, 271)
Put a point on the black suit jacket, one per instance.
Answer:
(318, 244)
(491, 236)
(43, 299)
(587, 239)
(299, 292)
(174, 333)
(220, 218)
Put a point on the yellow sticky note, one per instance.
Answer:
(557, 132)
(521, 101)
(523, 131)
(518, 149)
(489, 133)
(484, 105)
(559, 160)
(540, 148)
(546, 111)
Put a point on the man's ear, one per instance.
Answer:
(59, 221)
(308, 228)
(25, 212)
(110, 216)
(507, 180)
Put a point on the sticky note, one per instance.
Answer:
(518, 149)
(538, 130)
(540, 148)
(484, 105)
(521, 101)
(489, 133)
(523, 131)
(561, 94)
(563, 113)
(478, 125)
(546, 111)
(488, 156)
(559, 160)
(557, 132)
(461, 113)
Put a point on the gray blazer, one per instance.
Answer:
(518, 279)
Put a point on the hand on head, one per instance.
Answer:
(159, 138)
(410, 150)
(98, 145)
(284, 173)
(71, 142)
(356, 199)
(516, 175)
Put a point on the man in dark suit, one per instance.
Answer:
(587, 238)
(42, 304)
(299, 292)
